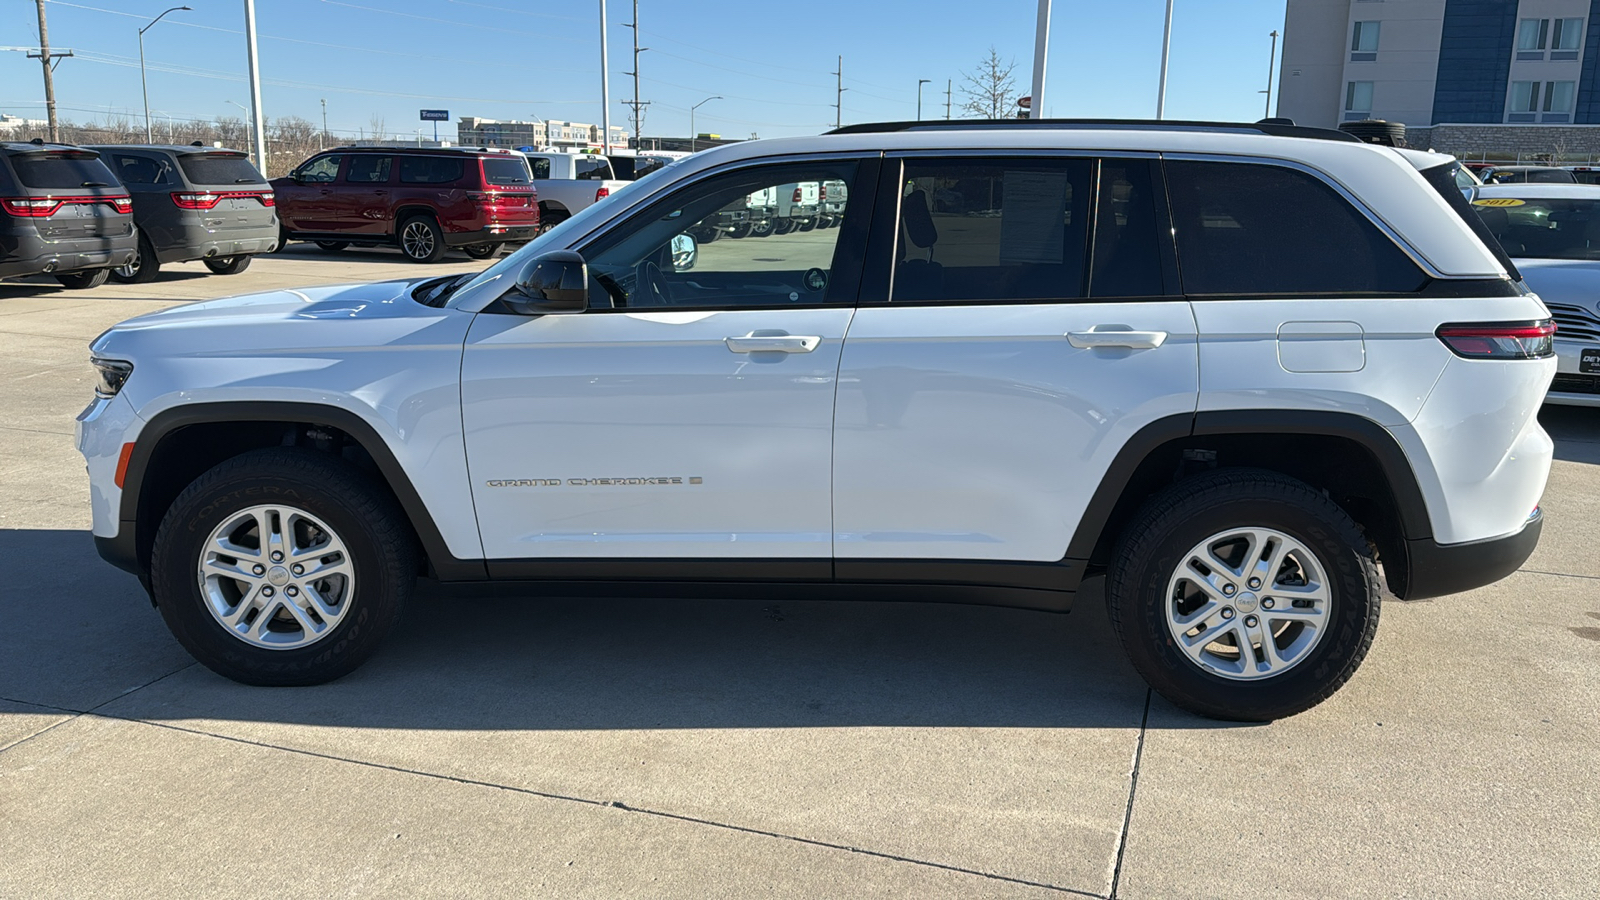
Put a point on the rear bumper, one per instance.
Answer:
(199, 242)
(491, 234)
(1439, 569)
(29, 254)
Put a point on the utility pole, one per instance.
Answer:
(838, 102)
(920, 83)
(637, 104)
(1166, 47)
(255, 87)
(605, 86)
(947, 83)
(49, 76)
(1272, 63)
(1041, 46)
(323, 137)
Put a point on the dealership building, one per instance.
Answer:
(1466, 76)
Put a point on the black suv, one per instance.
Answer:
(62, 212)
(193, 202)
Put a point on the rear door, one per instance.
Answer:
(1029, 323)
(361, 203)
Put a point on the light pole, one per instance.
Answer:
(545, 124)
(247, 135)
(692, 133)
(1272, 62)
(323, 137)
(142, 85)
(920, 83)
(605, 87)
(1166, 45)
(1041, 47)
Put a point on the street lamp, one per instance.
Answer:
(247, 135)
(692, 133)
(920, 83)
(142, 85)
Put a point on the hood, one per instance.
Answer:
(1572, 282)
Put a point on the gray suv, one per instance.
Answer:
(193, 202)
(62, 213)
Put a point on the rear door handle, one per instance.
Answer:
(1116, 336)
(772, 343)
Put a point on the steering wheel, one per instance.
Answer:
(654, 284)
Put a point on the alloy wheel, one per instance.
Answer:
(276, 577)
(417, 241)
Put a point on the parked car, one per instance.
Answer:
(193, 202)
(1334, 395)
(423, 201)
(1552, 234)
(62, 213)
(1585, 174)
(1525, 175)
(570, 183)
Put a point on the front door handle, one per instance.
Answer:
(1116, 336)
(772, 343)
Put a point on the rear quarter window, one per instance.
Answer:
(59, 171)
(499, 170)
(540, 166)
(431, 169)
(219, 169)
(1246, 228)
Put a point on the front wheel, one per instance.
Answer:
(228, 265)
(421, 240)
(282, 567)
(333, 246)
(1244, 595)
(83, 279)
(483, 251)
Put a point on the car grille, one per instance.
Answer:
(1576, 384)
(1574, 322)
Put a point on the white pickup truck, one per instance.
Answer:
(569, 183)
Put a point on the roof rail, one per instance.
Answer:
(1277, 128)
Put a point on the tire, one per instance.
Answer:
(708, 235)
(374, 541)
(333, 246)
(740, 231)
(807, 224)
(283, 239)
(782, 226)
(483, 251)
(421, 240)
(227, 265)
(83, 279)
(761, 228)
(1315, 649)
(144, 268)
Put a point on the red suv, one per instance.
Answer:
(422, 201)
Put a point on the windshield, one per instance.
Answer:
(556, 238)
(1532, 228)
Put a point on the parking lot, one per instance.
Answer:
(639, 747)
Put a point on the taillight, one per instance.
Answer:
(30, 208)
(122, 204)
(822, 193)
(196, 201)
(1500, 340)
(796, 196)
(268, 198)
(602, 193)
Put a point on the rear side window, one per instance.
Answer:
(594, 167)
(1127, 258)
(540, 165)
(1244, 228)
(57, 171)
(140, 169)
(368, 170)
(7, 186)
(430, 169)
(995, 230)
(219, 169)
(500, 170)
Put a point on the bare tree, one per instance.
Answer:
(376, 125)
(990, 90)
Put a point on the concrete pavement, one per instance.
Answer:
(555, 747)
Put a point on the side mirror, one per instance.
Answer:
(297, 177)
(556, 282)
(684, 253)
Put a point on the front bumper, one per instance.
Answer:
(1438, 569)
(492, 234)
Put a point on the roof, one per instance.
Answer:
(425, 151)
(1537, 190)
(1499, 168)
(1280, 129)
(172, 148)
(13, 147)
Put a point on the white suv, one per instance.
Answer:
(1251, 373)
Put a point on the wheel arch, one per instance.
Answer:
(1354, 459)
(179, 444)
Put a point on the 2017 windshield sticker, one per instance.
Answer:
(1498, 201)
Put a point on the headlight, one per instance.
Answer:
(113, 374)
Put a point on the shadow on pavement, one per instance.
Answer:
(83, 633)
(298, 250)
(1576, 430)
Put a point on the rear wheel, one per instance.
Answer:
(782, 226)
(483, 251)
(142, 268)
(740, 231)
(421, 240)
(83, 279)
(1244, 595)
(761, 228)
(333, 246)
(228, 265)
(283, 239)
(808, 224)
(282, 567)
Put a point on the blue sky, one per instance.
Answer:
(505, 59)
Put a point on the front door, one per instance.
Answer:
(688, 414)
(1032, 324)
(306, 201)
(361, 203)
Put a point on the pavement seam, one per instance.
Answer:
(1558, 574)
(1133, 786)
(77, 714)
(36, 431)
(618, 805)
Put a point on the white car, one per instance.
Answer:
(1169, 355)
(1552, 234)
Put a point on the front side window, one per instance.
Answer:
(321, 170)
(1545, 229)
(368, 170)
(1358, 96)
(1261, 229)
(1568, 34)
(1524, 96)
(1532, 34)
(1365, 39)
(992, 230)
(1558, 95)
(676, 254)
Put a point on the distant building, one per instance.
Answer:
(1463, 75)
(473, 131)
(10, 123)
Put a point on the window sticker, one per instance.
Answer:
(1033, 217)
(1498, 201)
